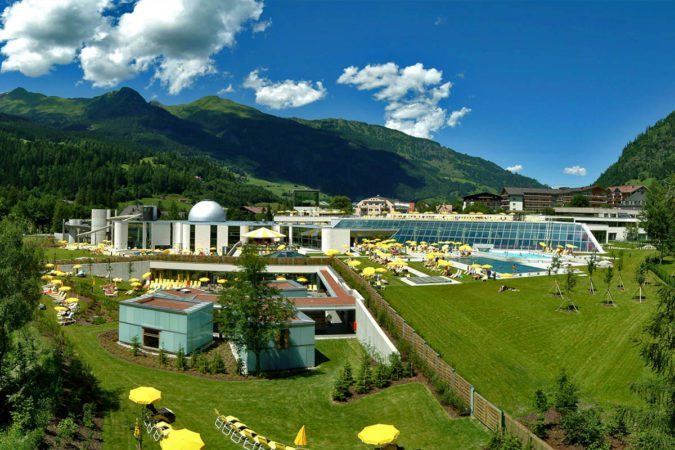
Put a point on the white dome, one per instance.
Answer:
(207, 211)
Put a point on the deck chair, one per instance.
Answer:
(161, 430)
(249, 439)
(262, 442)
(236, 435)
(279, 446)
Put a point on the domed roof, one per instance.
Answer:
(207, 211)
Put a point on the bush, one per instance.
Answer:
(583, 428)
(540, 401)
(217, 365)
(98, 320)
(396, 365)
(566, 395)
(617, 426)
(381, 376)
(88, 413)
(364, 378)
(348, 375)
(504, 441)
(181, 363)
(450, 398)
(161, 357)
(135, 346)
(540, 428)
(341, 387)
(65, 431)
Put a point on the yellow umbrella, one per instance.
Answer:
(475, 266)
(72, 300)
(379, 434)
(570, 246)
(381, 270)
(506, 275)
(46, 277)
(222, 281)
(332, 252)
(353, 263)
(368, 271)
(134, 280)
(559, 246)
(281, 247)
(49, 265)
(65, 288)
(57, 282)
(147, 275)
(183, 439)
(302, 280)
(136, 284)
(280, 278)
(60, 308)
(263, 233)
(204, 279)
(117, 279)
(301, 437)
(145, 395)
(543, 244)
(486, 266)
(77, 266)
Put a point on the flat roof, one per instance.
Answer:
(164, 302)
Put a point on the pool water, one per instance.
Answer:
(498, 265)
(523, 255)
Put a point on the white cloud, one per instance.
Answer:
(461, 75)
(412, 95)
(515, 168)
(259, 27)
(440, 20)
(39, 34)
(283, 94)
(575, 170)
(456, 116)
(227, 90)
(172, 38)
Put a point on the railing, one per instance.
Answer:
(431, 364)
(206, 259)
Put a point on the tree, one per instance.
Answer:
(618, 263)
(567, 304)
(591, 265)
(579, 201)
(566, 397)
(252, 311)
(20, 265)
(640, 278)
(609, 276)
(658, 215)
(343, 203)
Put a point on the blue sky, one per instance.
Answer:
(549, 85)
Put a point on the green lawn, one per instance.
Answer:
(510, 344)
(277, 408)
(58, 253)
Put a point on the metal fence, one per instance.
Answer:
(431, 362)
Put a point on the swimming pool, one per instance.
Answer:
(522, 255)
(498, 265)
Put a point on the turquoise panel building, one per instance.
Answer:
(162, 320)
(293, 347)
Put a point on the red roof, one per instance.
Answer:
(626, 189)
(175, 305)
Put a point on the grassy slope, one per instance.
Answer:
(277, 408)
(511, 344)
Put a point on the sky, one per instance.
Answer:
(551, 90)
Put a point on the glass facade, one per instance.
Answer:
(504, 234)
(309, 237)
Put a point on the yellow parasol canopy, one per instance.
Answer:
(57, 282)
(379, 434)
(147, 275)
(65, 288)
(570, 246)
(301, 437)
(222, 281)
(136, 284)
(72, 300)
(381, 270)
(77, 266)
(543, 244)
(486, 266)
(263, 233)
(183, 439)
(353, 263)
(134, 280)
(46, 277)
(332, 252)
(49, 265)
(117, 279)
(476, 266)
(280, 278)
(368, 271)
(301, 280)
(204, 279)
(60, 308)
(145, 395)
(281, 247)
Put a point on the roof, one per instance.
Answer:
(253, 209)
(526, 190)
(626, 189)
(482, 194)
(167, 302)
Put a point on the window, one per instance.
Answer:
(282, 338)
(150, 338)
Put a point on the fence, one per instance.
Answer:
(320, 261)
(431, 363)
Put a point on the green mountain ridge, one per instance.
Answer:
(651, 156)
(337, 156)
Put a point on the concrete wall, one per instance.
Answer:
(119, 269)
(369, 333)
(190, 332)
(160, 234)
(221, 238)
(202, 238)
(335, 238)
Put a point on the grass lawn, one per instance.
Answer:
(57, 254)
(276, 408)
(510, 344)
(388, 275)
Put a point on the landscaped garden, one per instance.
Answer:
(275, 408)
(510, 344)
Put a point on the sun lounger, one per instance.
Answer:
(161, 430)
(262, 442)
(249, 439)
(236, 437)
(279, 446)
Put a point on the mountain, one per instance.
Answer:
(650, 156)
(336, 156)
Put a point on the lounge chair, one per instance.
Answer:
(249, 439)
(279, 446)
(263, 442)
(236, 435)
(161, 430)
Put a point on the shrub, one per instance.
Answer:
(65, 430)
(161, 357)
(617, 426)
(583, 428)
(181, 363)
(504, 441)
(381, 376)
(348, 375)
(540, 401)
(88, 413)
(451, 398)
(341, 387)
(396, 366)
(364, 379)
(217, 365)
(540, 428)
(566, 396)
(135, 346)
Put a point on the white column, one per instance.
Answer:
(243, 229)
(120, 235)
(186, 236)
